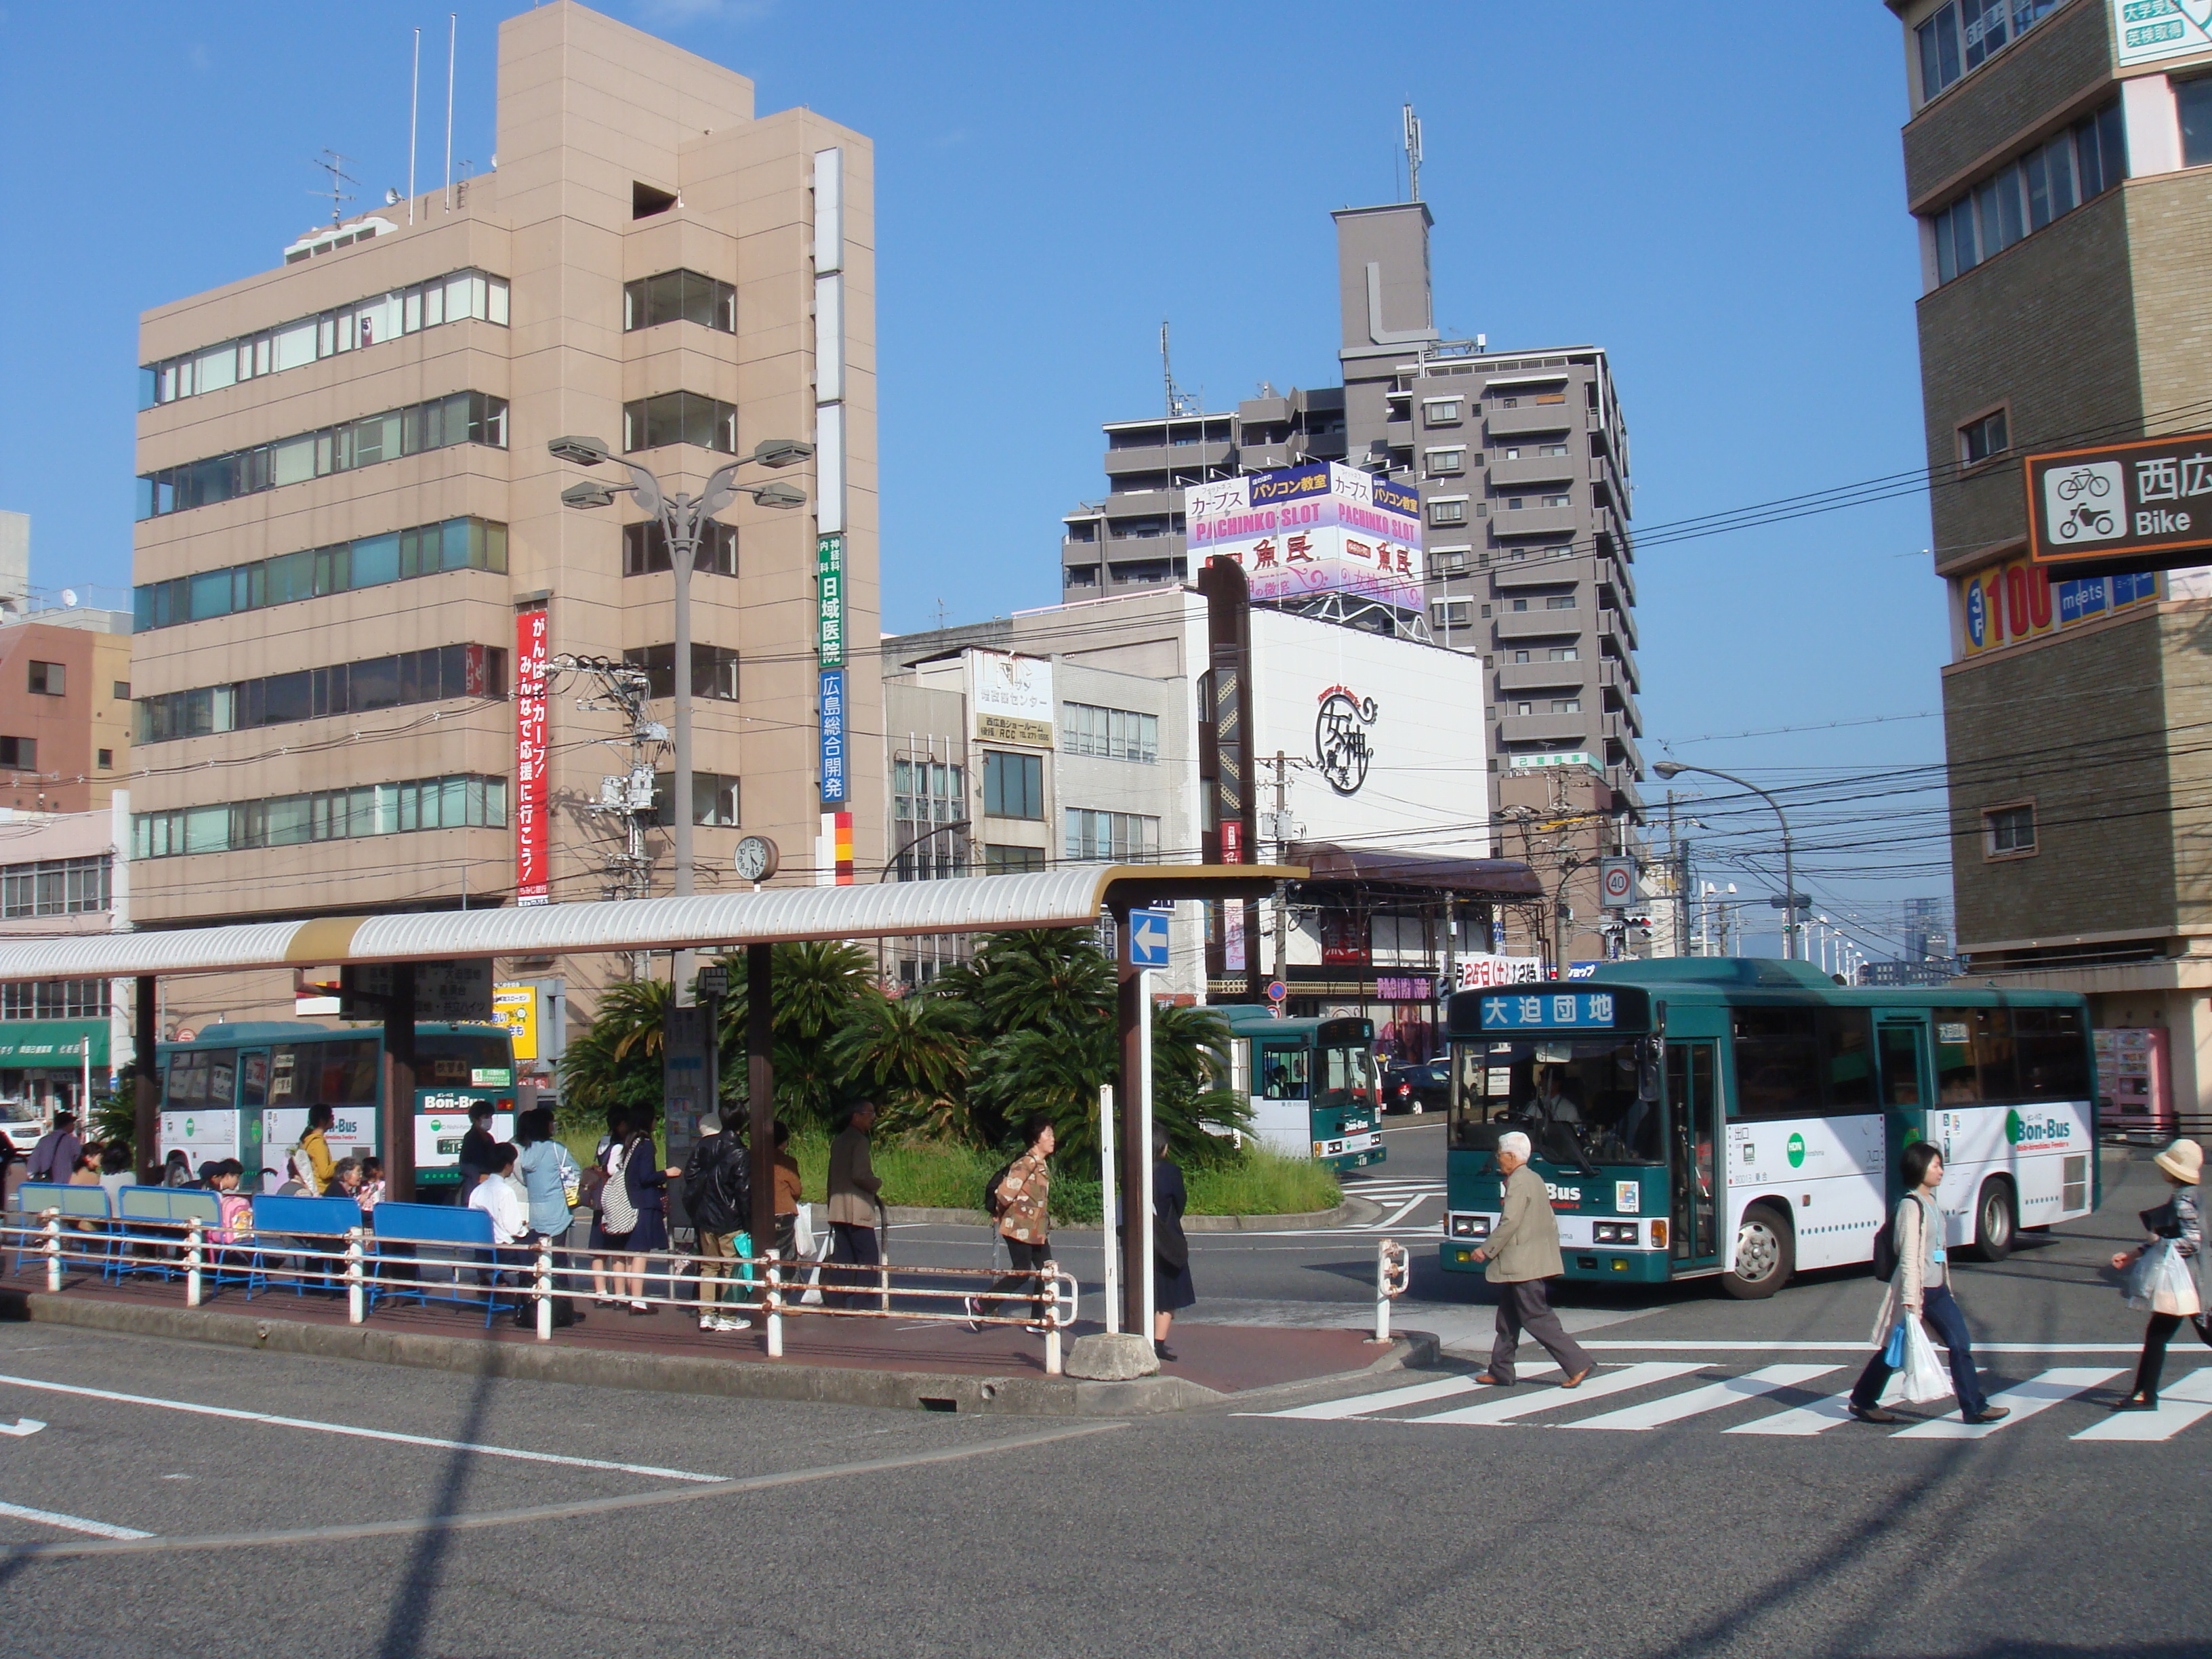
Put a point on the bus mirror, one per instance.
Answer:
(1647, 1068)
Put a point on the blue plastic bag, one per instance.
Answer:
(1893, 1352)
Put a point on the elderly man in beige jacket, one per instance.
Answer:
(1522, 1252)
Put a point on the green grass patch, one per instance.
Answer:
(942, 1176)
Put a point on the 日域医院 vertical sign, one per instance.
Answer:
(829, 654)
(533, 885)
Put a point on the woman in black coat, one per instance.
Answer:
(1171, 1286)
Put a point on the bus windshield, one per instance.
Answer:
(1580, 1100)
(463, 1060)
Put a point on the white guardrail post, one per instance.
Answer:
(545, 1289)
(1051, 1312)
(1392, 1268)
(53, 1249)
(192, 1263)
(355, 1312)
(773, 1303)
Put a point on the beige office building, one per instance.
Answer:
(347, 506)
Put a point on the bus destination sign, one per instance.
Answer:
(1549, 1011)
(2145, 504)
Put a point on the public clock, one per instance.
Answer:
(756, 858)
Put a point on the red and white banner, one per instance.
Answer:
(531, 885)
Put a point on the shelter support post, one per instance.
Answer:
(146, 1084)
(1136, 1156)
(760, 1088)
(399, 1085)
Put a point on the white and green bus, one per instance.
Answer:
(1742, 1117)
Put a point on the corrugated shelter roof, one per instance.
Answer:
(1506, 879)
(1068, 897)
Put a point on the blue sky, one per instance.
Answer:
(1709, 188)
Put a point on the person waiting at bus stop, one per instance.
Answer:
(1523, 1252)
(853, 1186)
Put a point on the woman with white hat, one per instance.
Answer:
(2180, 1219)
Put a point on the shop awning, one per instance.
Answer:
(56, 1044)
(1068, 897)
(1506, 880)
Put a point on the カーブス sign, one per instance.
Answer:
(2140, 506)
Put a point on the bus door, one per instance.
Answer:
(1902, 1047)
(1693, 1108)
(1282, 1094)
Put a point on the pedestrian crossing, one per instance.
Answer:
(1647, 1395)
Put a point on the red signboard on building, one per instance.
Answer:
(531, 789)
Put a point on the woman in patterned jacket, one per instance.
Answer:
(2181, 1220)
(1020, 1202)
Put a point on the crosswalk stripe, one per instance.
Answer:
(2039, 1394)
(1816, 1418)
(2177, 1407)
(1713, 1397)
(1359, 1405)
(1545, 1399)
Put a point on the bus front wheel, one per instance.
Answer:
(1994, 1222)
(1765, 1255)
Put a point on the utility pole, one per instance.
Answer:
(623, 688)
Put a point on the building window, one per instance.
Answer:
(369, 561)
(373, 809)
(1520, 657)
(2047, 183)
(47, 679)
(1442, 463)
(1450, 613)
(1520, 604)
(452, 299)
(927, 795)
(680, 417)
(55, 887)
(1562, 653)
(436, 675)
(679, 296)
(1109, 734)
(645, 549)
(1559, 602)
(714, 670)
(1524, 708)
(1566, 705)
(107, 757)
(1115, 837)
(19, 754)
(1979, 439)
(1013, 785)
(1551, 449)
(55, 999)
(1447, 512)
(1447, 561)
(713, 798)
(1012, 861)
(1960, 37)
(2008, 831)
(1441, 412)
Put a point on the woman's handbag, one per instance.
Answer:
(2160, 1282)
(617, 1215)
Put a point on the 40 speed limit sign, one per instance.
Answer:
(1616, 883)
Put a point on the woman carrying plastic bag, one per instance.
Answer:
(1921, 1290)
(2160, 1275)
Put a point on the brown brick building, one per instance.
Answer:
(2059, 162)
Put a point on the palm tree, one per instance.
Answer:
(912, 1053)
(616, 1062)
(816, 987)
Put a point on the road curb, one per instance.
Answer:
(1014, 1394)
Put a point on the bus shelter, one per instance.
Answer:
(1075, 896)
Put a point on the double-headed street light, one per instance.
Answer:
(682, 518)
(1675, 769)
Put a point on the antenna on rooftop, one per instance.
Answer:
(1412, 155)
(1179, 401)
(332, 163)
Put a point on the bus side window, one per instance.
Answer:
(1900, 1065)
(1777, 1063)
(2053, 1059)
(1847, 1056)
(1954, 1057)
(1283, 1072)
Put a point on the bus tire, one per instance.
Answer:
(1996, 1220)
(1765, 1255)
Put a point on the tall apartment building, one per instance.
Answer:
(350, 519)
(2059, 159)
(1521, 461)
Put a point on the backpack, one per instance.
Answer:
(1885, 1245)
(993, 1205)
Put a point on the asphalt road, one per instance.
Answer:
(339, 1509)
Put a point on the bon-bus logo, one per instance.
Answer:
(2036, 1131)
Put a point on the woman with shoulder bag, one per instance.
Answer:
(2178, 1223)
(1922, 1290)
(644, 1196)
(604, 1188)
(1171, 1287)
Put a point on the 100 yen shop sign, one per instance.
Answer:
(2140, 506)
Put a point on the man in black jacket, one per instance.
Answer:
(718, 1194)
(477, 1147)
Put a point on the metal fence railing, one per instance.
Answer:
(528, 1278)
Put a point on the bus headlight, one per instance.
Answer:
(1613, 1232)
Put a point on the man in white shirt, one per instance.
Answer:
(495, 1198)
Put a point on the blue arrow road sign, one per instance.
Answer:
(1148, 939)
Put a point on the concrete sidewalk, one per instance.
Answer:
(889, 1362)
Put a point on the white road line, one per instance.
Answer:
(1360, 1404)
(2177, 1407)
(1411, 1204)
(2039, 1394)
(1545, 1399)
(1851, 1344)
(434, 1443)
(1713, 1397)
(1816, 1418)
(70, 1522)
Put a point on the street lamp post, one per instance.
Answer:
(682, 518)
(1675, 769)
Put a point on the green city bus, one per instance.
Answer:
(1311, 1083)
(242, 1091)
(1742, 1117)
